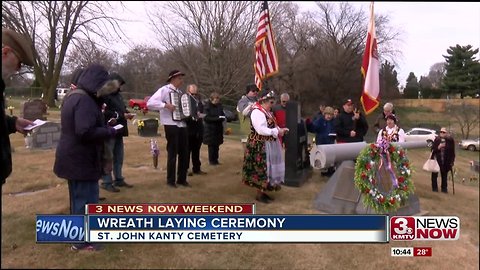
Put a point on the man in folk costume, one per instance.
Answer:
(263, 165)
(391, 132)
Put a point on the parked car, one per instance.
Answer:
(230, 116)
(139, 104)
(421, 134)
(472, 145)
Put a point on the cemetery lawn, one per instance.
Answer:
(33, 189)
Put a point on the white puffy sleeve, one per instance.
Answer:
(259, 122)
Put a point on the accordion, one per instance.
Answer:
(183, 106)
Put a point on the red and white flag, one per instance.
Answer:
(266, 60)
(371, 69)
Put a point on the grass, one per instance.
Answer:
(33, 172)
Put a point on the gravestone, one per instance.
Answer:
(45, 136)
(297, 161)
(149, 129)
(34, 109)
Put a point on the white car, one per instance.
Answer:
(421, 134)
(471, 145)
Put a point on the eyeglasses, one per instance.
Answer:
(443, 132)
(284, 101)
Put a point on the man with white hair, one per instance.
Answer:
(380, 122)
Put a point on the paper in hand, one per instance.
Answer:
(35, 124)
(117, 127)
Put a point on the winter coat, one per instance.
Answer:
(195, 124)
(116, 108)
(344, 123)
(213, 129)
(83, 132)
(7, 127)
(321, 127)
(449, 153)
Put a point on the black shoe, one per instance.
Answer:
(190, 174)
(173, 185)
(122, 184)
(444, 191)
(215, 163)
(185, 184)
(200, 172)
(110, 188)
(262, 198)
(268, 197)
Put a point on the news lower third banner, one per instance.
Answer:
(212, 228)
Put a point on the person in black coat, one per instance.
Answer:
(115, 113)
(213, 134)
(78, 157)
(195, 130)
(443, 149)
(16, 50)
(350, 125)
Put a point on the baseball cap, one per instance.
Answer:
(347, 101)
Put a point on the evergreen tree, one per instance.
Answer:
(412, 87)
(462, 71)
(388, 82)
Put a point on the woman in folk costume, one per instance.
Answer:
(391, 132)
(263, 165)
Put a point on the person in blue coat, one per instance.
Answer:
(78, 157)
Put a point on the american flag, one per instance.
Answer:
(371, 69)
(266, 60)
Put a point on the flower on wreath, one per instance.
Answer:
(367, 182)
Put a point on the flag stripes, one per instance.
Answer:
(266, 60)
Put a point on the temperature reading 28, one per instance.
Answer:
(422, 251)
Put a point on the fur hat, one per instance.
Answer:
(20, 44)
(173, 74)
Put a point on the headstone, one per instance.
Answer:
(46, 136)
(35, 109)
(297, 161)
(149, 127)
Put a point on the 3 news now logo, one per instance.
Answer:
(425, 228)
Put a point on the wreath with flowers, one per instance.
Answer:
(367, 168)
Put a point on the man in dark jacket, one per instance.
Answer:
(195, 130)
(78, 158)
(350, 125)
(16, 49)
(115, 113)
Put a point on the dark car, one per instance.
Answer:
(230, 116)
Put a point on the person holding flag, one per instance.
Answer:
(370, 69)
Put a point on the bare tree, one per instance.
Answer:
(467, 117)
(52, 26)
(211, 40)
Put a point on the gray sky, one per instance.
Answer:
(428, 29)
